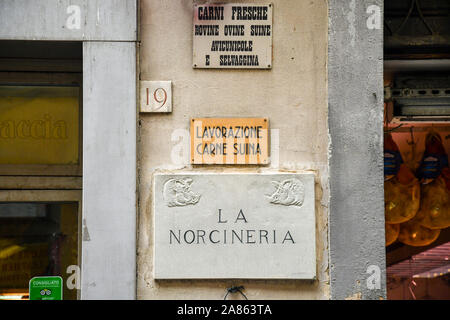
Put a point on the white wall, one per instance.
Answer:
(293, 95)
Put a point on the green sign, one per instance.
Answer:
(46, 288)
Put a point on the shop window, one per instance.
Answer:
(40, 164)
(36, 239)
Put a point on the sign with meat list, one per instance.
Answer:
(233, 36)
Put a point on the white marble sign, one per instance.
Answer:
(156, 96)
(234, 226)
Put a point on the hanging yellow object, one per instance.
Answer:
(401, 197)
(9, 248)
(434, 211)
(392, 231)
(414, 234)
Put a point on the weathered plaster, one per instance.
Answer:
(293, 95)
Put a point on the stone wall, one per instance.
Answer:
(292, 95)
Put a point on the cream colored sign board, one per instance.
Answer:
(234, 226)
(233, 35)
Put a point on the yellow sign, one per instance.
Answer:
(39, 125)
(229, 141)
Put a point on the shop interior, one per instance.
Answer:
(416, 148)
(40, 163)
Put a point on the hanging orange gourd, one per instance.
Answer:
(401, 187)
(414, 234)
(434, 211)
(392, 231)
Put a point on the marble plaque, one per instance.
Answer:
(156, 96)
(234, 226)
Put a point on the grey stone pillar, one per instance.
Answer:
(356, 223)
